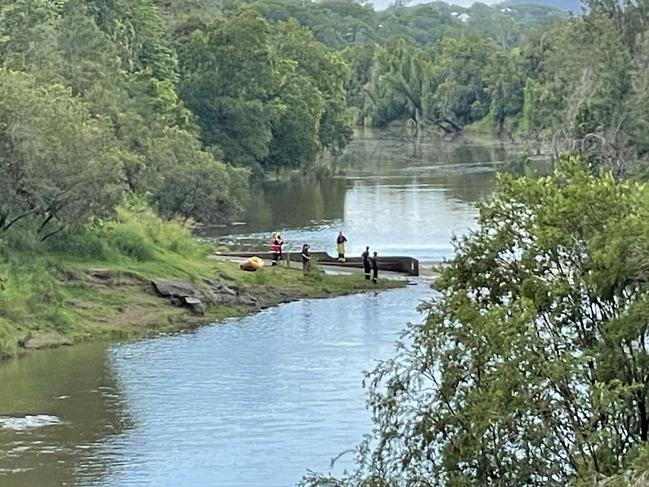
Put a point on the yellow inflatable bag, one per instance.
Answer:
(252, 264)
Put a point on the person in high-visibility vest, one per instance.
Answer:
(340, 246)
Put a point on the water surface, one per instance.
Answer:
(250, 402)
(383, 193)
(255, 401)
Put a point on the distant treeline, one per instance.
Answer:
(178, 102)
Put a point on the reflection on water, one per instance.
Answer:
(56, 409)
(251, 402)
(27, 422)
(257, 401)
(380, 195)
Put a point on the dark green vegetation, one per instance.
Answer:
(527, 71)
(581, 83)
(100, 108)
(179, 102)
(266, 95)
(97, 102)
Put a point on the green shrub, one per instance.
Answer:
(59, 319)
(85, 244)
(130, 241)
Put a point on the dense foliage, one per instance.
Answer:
(531, 367)
(98, 102)
(342, 23)
(581, 83)
(518, 70)
(178, 101)
(265, 94)
(89, 112)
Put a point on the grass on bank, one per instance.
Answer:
(51, 289)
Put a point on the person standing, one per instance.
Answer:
(280, 244)
(375, 268)
(275, 247)
(306, 258)
(366, 262)
(340, 246)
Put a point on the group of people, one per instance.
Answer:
(370, 262)
(370, 265)
(277, 246)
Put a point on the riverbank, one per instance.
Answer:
(138, 277)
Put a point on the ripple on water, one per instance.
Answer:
(23, 423)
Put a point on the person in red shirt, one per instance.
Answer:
(276, 247)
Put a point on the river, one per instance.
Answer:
(259, 400)
(383, 193)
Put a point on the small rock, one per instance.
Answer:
(195, 305)
(229, 300)
(103, 274)
(248, 300)
(170, 289)
(48, 340)
(178, 290)
(225, 290)
(220, 288)
(226, 277)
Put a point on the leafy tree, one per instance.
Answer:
(193, 184)
(27, 28)
(406, 74)
(125, 74)
(295, 136)
(327, 73)
(231, 79)
(531, 366)
(637, 106)
(138, 33)
(461, 95)
(252, 85)
(532, 105)
(505, 88)
(58, 163)
(363, 64)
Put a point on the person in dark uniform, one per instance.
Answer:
(366, 262)
(375, 267)
(306, 258)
